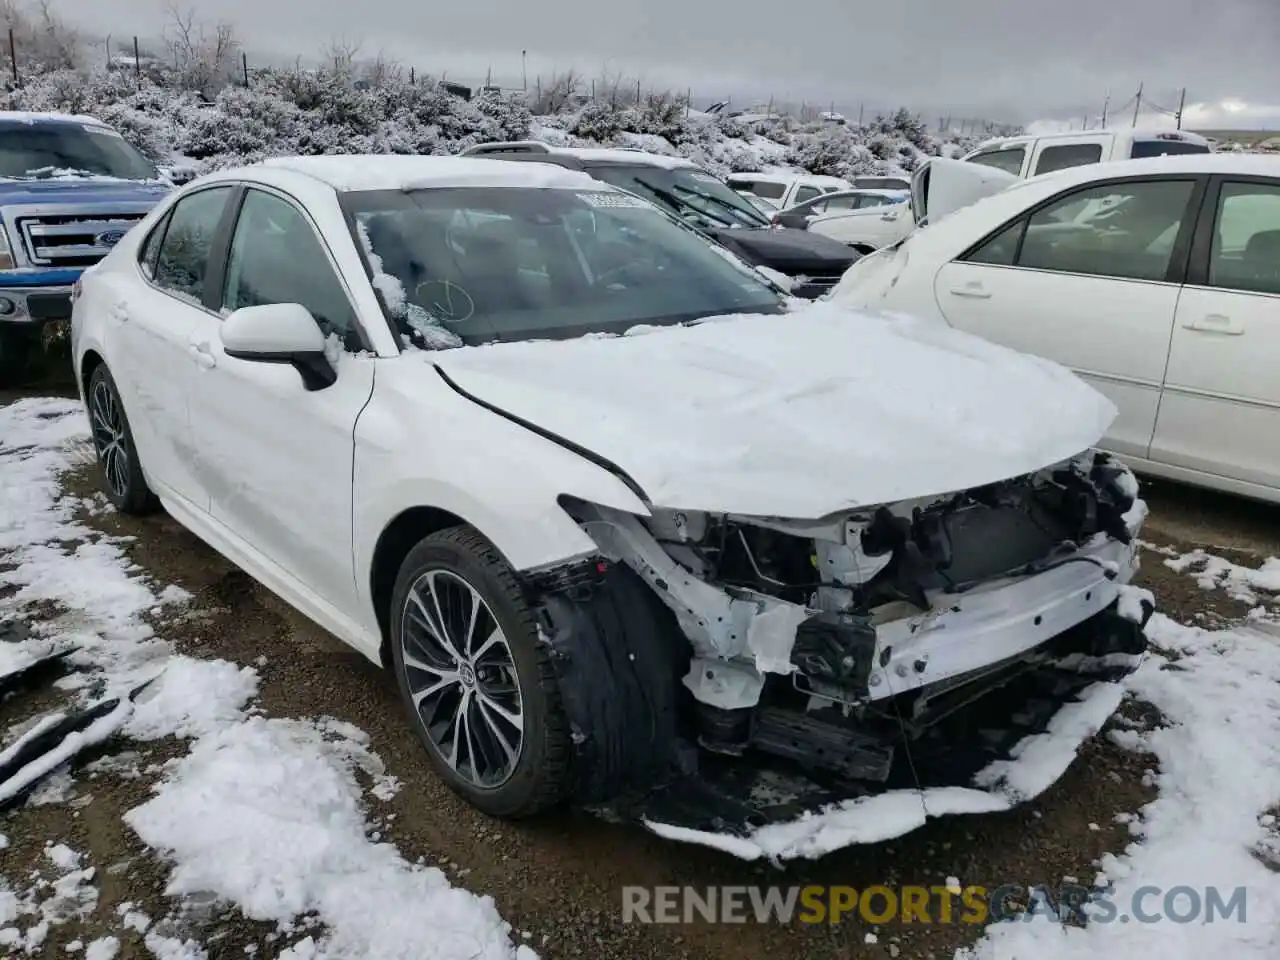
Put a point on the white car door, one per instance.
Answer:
(1221, 408)
(148, 332)
(872, 227)
(1089, 279)
(277, 456)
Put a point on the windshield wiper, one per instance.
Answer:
(731, 207)
(676, 200)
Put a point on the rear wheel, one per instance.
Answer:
(122, 475)
(479, 686)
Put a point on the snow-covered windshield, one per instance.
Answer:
(35, 151)
(473, 265)
(690, 194)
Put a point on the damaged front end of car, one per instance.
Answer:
(728, 675)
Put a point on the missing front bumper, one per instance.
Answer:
(1012, 736)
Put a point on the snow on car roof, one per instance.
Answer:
(31, 116)
(380, 172)
(782, 178)
(616, 155)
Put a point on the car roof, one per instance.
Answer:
(34, 117)
(1136, 134)
(782, 178)
(529, 149)
(356, 172)
(1240, 164)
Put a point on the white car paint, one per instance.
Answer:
(785, 190)
(1036, 154)
(1190, 365)
(614, 447)
(875, 227)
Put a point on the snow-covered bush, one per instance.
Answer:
(325, 112)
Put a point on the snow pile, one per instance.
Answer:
(1213, 820)
(265, 814)
(1240, 583)
(323, 112)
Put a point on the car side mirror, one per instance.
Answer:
(280, 333)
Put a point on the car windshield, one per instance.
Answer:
(33, 151)
(691, 194)
(474, 265)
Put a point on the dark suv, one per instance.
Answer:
(811, 262)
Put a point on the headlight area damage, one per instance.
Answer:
(782, 688)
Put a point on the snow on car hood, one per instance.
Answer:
(796, 415)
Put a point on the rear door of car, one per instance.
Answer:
(1089, 278)
(1220, 412)
(149, 331)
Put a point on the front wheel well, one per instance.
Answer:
(92, 360)
(400, 536)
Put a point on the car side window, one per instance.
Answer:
(183, 258)
(1008, 160)
(1123, 230)
(1245, 254)
(1068, 155)
(276, 257)
(841, 203)
(151, 247)
(805, 193)
(1001, 249)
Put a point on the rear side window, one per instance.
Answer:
(1164, 148)
(183, 262)
(1068, 155)
(151, 248)
(806, 193)
(1009, 160)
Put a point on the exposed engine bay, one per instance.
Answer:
(829, 644)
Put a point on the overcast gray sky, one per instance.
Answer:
(1004, 59)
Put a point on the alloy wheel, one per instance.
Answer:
(107, 423)
(462, 678)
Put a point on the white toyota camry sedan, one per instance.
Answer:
(626, 526)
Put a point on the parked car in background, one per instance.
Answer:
(1030, 156)
(785, 190)
(598, 510)
(837, 202)
(870, 228)
(811, 265)
(70, 188)
(882, 183)
(1156, 280)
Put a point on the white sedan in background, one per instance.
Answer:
(1156, 280)
(612, 515)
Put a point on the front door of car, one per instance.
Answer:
(149, 333)
(277, 457)
(1089, 279)
(1221, 408)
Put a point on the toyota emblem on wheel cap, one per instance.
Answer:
(109, 238)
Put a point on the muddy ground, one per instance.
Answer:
(559, 880)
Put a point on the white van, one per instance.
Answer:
(1014, 157)
(1030, 156)
(785, 190)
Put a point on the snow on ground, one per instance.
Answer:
(1240, 583)
(1212, 824)
(263, 813)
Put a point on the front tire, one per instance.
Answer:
(479, 686)
(122, 476)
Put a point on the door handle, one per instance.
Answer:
(974, 291)
(202, 354)
(1216, 323)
